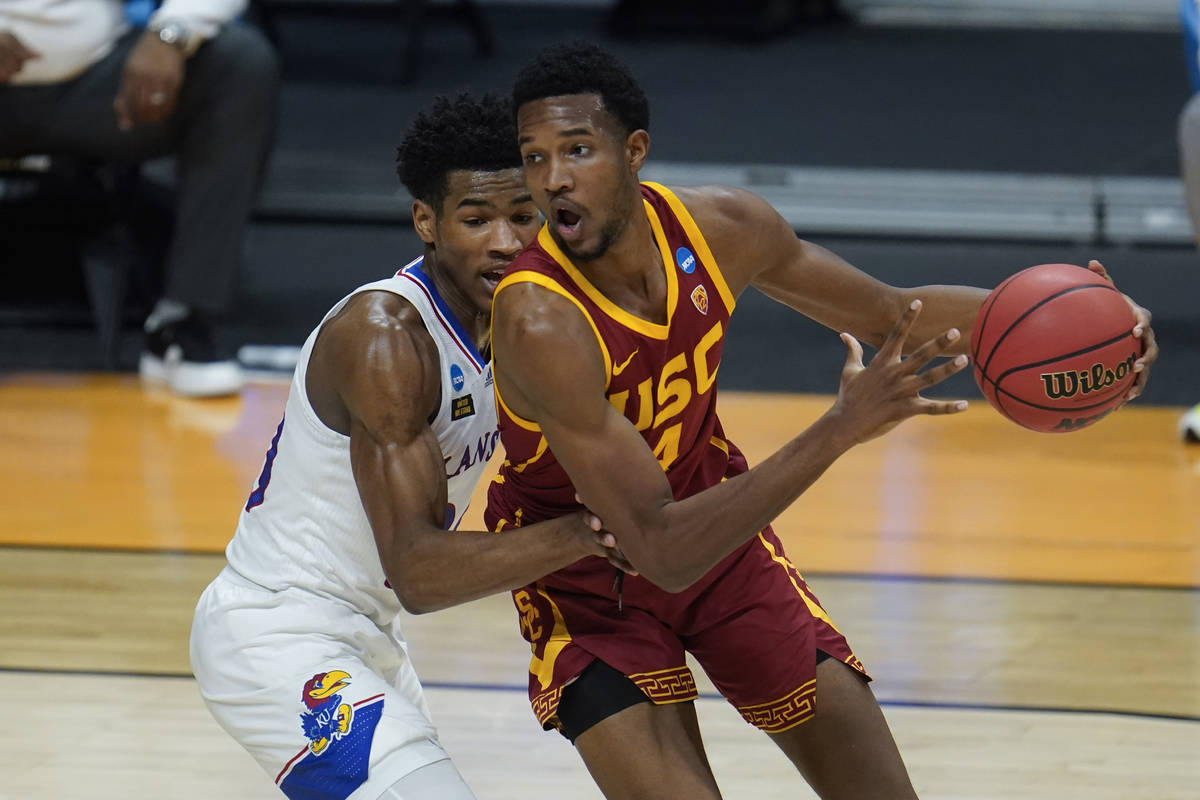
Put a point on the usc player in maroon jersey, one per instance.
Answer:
(607, 337)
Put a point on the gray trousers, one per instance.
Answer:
(220, 135)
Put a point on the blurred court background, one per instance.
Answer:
(1028, 604)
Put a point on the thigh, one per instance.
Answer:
(846, 750)
(647, 752)
(295, 683)
(756, 631)
(77, 116)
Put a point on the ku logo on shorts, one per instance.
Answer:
(335, 761)
(327, 718)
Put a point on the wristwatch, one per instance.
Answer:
(177, 35)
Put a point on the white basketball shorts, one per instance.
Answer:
(326, 702)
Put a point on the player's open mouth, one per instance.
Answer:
(567, 222)
(492, 278)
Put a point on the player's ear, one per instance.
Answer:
(424, 220)
(637, 147)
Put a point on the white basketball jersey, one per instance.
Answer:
(304, 524)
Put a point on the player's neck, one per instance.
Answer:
(476, 323)
(631, 273)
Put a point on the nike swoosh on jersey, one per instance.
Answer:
(617, 370)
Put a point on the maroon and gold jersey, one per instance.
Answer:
(751, 621)
(663, 378)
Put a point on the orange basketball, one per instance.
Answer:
(1053, 348)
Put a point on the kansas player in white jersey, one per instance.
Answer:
(388, 424)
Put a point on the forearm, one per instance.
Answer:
(942, 308)
(440, 569)
(700, 530)
(822, 285)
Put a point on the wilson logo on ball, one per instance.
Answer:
(1085, 381)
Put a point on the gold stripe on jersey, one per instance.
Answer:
(618, 314)
(787, 712)
(813, 607)
(693, 232)
(540, 451)
(721, 445)
(501, 524)
(546, 282)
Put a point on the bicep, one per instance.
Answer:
(388, 383)
(756, 246)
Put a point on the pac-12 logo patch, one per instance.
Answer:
(700, 299)
(457, 379)
(334, 762)
(685, 260)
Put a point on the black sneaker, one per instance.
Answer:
(182, 355)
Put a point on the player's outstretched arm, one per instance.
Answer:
(374, 375)
(755, 246)
(550, 370)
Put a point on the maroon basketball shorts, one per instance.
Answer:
(752, 623)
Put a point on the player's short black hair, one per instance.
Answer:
(585, 68)
(460, 133)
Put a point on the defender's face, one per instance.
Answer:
(485, 221)
(578, 171)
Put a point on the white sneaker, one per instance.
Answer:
(1189, 425)
(182, 356)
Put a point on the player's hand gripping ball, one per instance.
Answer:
(1053, 348)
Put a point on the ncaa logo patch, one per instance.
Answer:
(334, 763)
(685, 260)
(457, 379)
(700, 299)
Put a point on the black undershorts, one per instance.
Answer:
(599, 692)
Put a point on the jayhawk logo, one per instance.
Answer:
(327, 718)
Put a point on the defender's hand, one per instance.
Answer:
(150, 83)
(604, 544)
(13, 55)
(1141, 330)
(874, 399)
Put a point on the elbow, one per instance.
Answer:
(650, 552)
(414, 598)
(666, 573)
(679, 581)
(415, 603)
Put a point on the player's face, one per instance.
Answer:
(486, 219)
(581, 170)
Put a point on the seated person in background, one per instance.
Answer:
(76, 79)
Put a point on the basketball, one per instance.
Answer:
(1053, 348)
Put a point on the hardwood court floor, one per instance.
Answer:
(1026, 603)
